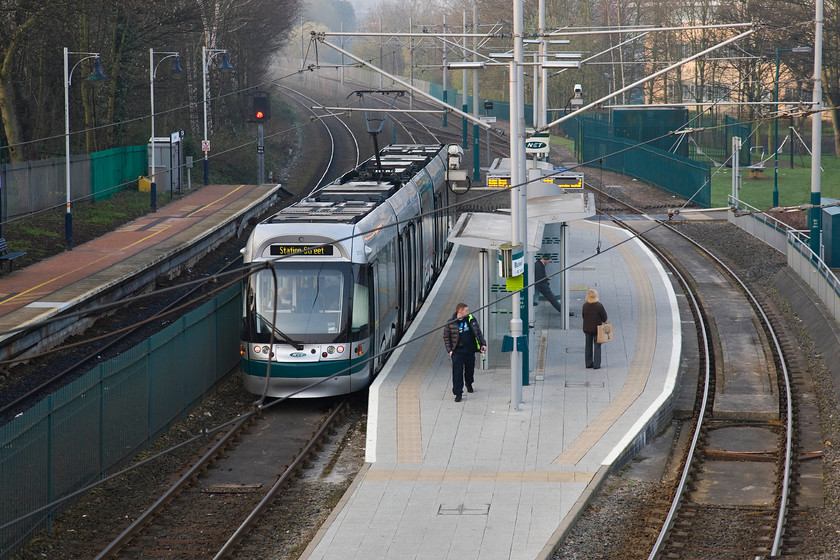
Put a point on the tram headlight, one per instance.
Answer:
(330, 349)
(266, 349)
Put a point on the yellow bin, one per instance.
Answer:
(144, 184)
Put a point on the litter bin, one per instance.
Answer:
(144, 184)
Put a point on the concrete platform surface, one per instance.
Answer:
(480, 479)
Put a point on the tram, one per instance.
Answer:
(345, 271)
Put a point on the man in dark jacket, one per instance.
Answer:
(542, 284)
(462, 338)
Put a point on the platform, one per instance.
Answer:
(479, 479)
(114, 264)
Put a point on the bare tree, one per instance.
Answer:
(20, 22)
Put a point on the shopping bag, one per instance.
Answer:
(605, 333)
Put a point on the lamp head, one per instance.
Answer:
(98, 75)
(225, 65)
(176, 66)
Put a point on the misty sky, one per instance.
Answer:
(362, 6)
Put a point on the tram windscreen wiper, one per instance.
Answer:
(281, 334)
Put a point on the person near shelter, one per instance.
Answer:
(593, 314)
(462, 338)
(542, 284)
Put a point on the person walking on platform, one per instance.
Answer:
(593, 314)
(462, 338)
(542, 284)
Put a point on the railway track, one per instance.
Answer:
(336, 160)
(739, 465)
(218, 500)
(421, 131)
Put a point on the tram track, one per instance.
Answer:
(738, 467)
(414, 126)
(217, 501)
(332, 165)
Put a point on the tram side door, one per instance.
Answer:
(441, 232)
(377, 338)
(404, 280)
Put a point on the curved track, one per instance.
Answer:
(336, 163)
(735, 485)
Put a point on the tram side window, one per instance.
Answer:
(386, 272)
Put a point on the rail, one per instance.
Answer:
(784, 495)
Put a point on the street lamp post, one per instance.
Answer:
(97, 76)
(206, 56)
(176, 69)
(776, 120)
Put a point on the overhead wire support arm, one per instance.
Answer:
(655, 75)
(319, 36)
(642, 28)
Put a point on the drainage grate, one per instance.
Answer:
(584, 384)
(461, 509)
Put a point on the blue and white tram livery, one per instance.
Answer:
(350, 267)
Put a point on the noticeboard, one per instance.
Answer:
(498, 181)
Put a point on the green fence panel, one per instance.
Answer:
(126, 395)
(228, 322)
(651, 126)
(711, 142)
(75, 452)
(166, 390)
(199, 369)
(675, 174)
(166, 360)
(24, 474)
(112, 170)
(92, 425)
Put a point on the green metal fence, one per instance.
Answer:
(85, 430)
(596, 144)
(111, 170)
(675, 174)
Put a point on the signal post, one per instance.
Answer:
(260, 111)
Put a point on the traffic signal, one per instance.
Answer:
(260, 107)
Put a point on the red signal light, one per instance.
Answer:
(260, 109)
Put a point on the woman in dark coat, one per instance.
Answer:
(593, 314)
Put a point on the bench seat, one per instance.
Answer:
(8, 256)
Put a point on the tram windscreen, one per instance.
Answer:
(310, 301)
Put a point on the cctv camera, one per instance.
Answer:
(455, 152)
(578, 88)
